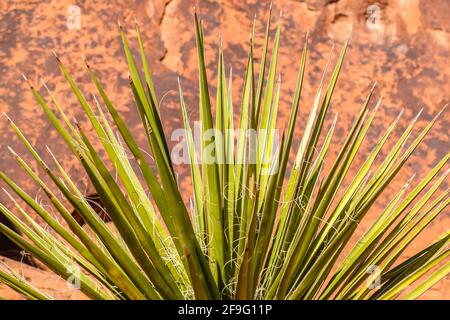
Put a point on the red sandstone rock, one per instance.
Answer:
(406, 54)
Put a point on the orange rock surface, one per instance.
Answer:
(404, 46)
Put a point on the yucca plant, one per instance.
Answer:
(256, 227)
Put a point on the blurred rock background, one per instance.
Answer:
(403, 45)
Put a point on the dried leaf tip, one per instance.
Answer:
(10, 196)
(349, 34)
(12, 151)
(49, 150)
(283, 130)
(446, 172)
(86, 62)
(417, 115)
(335, 119)
(7, 193)
(56, 56)
(410, 180)
(7, 117)
(27, 81)
(400, 114)
(377, 106)
(333, 46)
(440, 112)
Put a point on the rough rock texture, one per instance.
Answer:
(406, 52)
